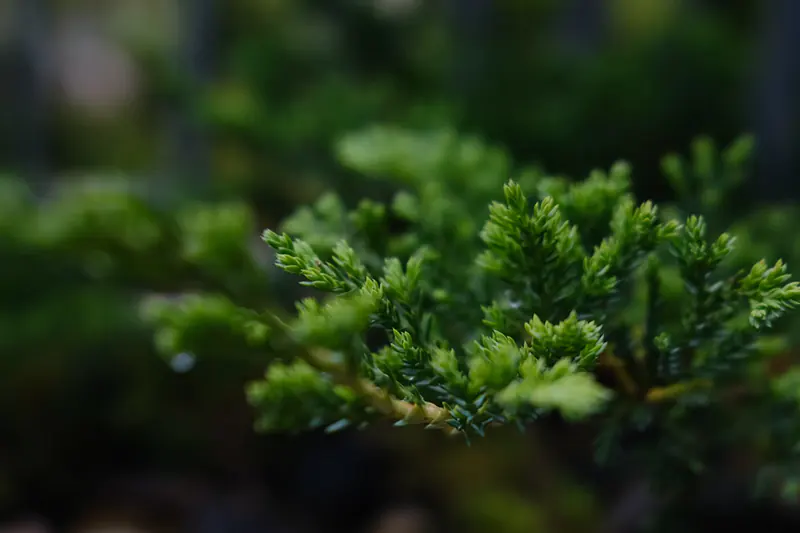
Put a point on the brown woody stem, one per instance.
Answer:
(427, 413)
(670, 392)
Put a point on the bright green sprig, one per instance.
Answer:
(295, 256)
(590, 204)
(696, 256)
(635, 232)
(535, 251)
(706, 340)
(562, 387)
(494, 362)
(544, 372)
(573, 339)
(769, 293)
(402, 284)
(445, 364)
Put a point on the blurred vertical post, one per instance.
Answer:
(30, 95)
(584, 24)
(196, 67)
(472, 24)
(778, 112)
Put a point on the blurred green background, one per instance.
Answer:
(146, 143)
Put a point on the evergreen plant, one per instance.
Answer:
(557, 302)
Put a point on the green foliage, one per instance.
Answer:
(108, 231)
(74, 266)
(463, 319)
(710, 177)
(332, 325)
(196, 322)
(297, 75)
(295, 396)
(769, 293)
(575, 394)
(294, 76)
(95, 248)
(713, 176)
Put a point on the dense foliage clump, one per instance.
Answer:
(563, 298)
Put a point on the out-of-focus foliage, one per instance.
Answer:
(296, 75)
(719, 182)
(78, 372)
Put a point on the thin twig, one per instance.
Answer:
(670, 392)
(426, 413)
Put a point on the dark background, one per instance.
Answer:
(242, 100)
